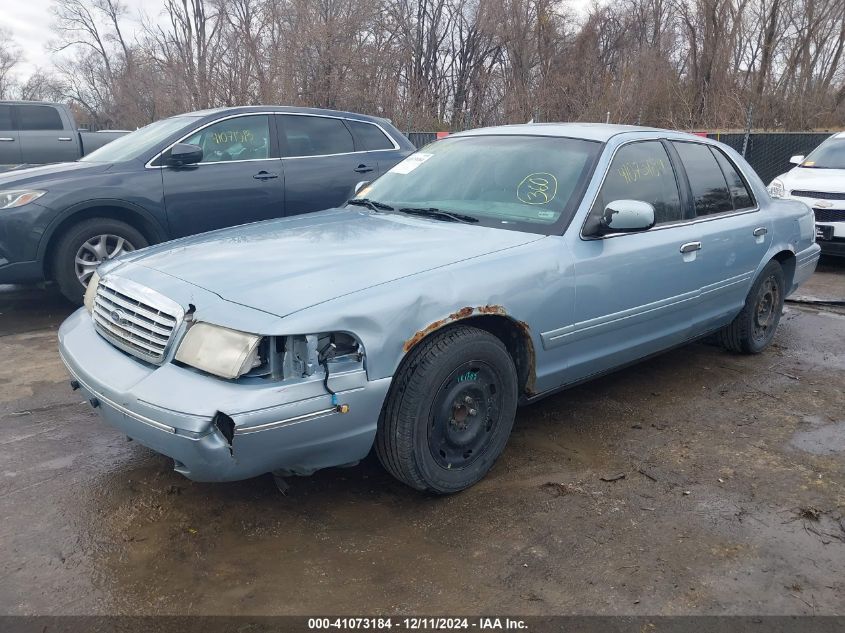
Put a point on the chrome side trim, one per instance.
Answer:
(597, 325)
(287, 422)
(131, 414)
(149, 163)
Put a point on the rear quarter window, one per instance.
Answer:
(740, 193)
(368, 137)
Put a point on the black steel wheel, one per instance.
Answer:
(449, 412)
(465, 414)
(754, 328)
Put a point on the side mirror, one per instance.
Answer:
(184, 154)
(623, 216)
(360, 186)
(797, 160)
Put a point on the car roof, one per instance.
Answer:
(589, 131)
(12, 102)
(289, 109)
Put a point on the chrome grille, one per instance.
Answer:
(829, 215)
(819, 195)
(133, 319)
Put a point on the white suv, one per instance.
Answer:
(819, 181)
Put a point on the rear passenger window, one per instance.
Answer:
(314, 136)
(709, 189)
(368, 137)
(5, 117)
(33, 117)
(739, 189)
(642, 171)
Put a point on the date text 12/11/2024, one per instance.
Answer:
(417, 623)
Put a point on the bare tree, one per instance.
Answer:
(10, 57)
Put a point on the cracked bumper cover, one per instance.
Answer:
(170, 409)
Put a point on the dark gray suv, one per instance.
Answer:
(183, 175)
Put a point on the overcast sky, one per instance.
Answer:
(29, 22)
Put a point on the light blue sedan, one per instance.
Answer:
(488, 270)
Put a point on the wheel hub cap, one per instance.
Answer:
(95, 251)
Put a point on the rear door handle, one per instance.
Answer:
(760, 230)
(265, 175)
(363, 169)
(6, 138)
(689, 247)
(65, 138)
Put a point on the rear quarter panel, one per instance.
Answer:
(792, 225)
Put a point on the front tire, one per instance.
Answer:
(754, 328)
(86, 245)
(449, 412)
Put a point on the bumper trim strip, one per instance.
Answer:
(287, 422)
(121, 408)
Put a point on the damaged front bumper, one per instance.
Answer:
(217, 430)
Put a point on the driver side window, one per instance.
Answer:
(641, 171)
(241, 138)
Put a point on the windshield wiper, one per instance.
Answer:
(370, 204)
(433, 212)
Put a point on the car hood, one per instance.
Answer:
(44, 174)
(810, 179)
(283, 266)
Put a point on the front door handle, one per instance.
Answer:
(265, 175)
(689, 247)
(6, 138)
(65, 138)
(363, 169)
(760, 230)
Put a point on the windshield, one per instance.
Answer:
(519, 182)
(828, 155)
(138, 142)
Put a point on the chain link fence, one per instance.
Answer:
(767, 152)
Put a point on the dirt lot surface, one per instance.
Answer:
(725, 494)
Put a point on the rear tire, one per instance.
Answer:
(449, 412)
(754, 328)
(86, 245)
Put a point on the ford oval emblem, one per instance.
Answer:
(118, 317)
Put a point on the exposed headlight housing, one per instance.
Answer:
(219, 350)
(776, 189)
(13, 198)
(91, 292)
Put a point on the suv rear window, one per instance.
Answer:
(34, 117)
(368, 137)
